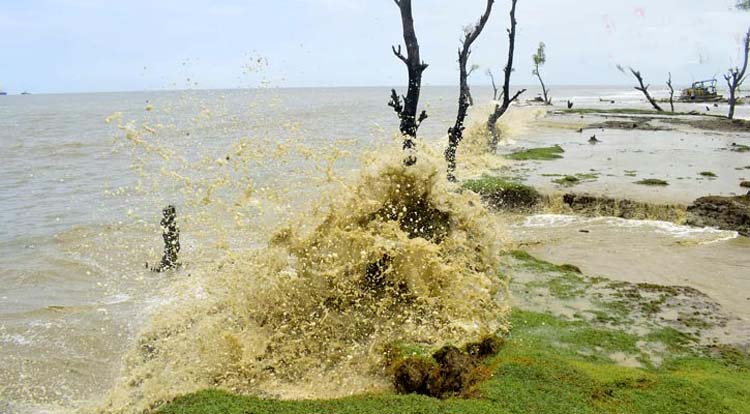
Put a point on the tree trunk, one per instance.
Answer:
(735, 78)
(544, 88)
(500, 109)
(671, 92)
(407, 112)
(455, 133)
(644, 88)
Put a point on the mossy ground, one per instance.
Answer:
(502, 193)
(540, 154)
(554, 364)
(652, 181)
(571, 180)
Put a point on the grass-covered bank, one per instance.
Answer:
(549, 366)
(590, 362)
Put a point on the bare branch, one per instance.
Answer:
(644, 88)
(515, 97)
(398, 54)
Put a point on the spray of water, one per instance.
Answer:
(394, 254)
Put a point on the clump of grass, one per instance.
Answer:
(740, 147)
(503, 193)
(568, 180)
(710, 174)
(652, 181)
(541, 154)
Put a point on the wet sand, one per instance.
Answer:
(623, 157)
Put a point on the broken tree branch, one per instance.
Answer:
(644, 88)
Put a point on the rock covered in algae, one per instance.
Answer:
(399, 257)
(450, 371)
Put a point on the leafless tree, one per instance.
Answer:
(501, 108)
(406, 106)
(494, 86)
(671, 92)
(736, 76)
(643, 88)
(455, 133)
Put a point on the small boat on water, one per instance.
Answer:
(2, 93)
(701, 91)
(25, 93)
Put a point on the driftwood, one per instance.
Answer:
(455, 133)
(735, 77)
(406, 106)
(501, 108)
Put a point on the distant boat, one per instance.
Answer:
(3, 93)
(702, 91)
(25, 93)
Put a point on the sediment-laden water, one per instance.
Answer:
(281, 200)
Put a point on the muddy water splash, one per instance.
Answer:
(400, 257)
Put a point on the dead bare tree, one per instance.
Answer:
(494, 86)
(455, 133)
(643, 88)
(671, 92)
(407, 109)
(500, 109)
(736, 77)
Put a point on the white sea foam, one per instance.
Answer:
(15, 339)
(704, 235)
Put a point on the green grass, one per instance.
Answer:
(710, 174)
(541, 154)
(571, 180)
(568, 180)
(503, 193)
(652, 181)
(547, 366)
(489, 184)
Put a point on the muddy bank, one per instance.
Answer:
(595, 206)
(726, 213)
(504, 195)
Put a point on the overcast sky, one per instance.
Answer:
(102, 45)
